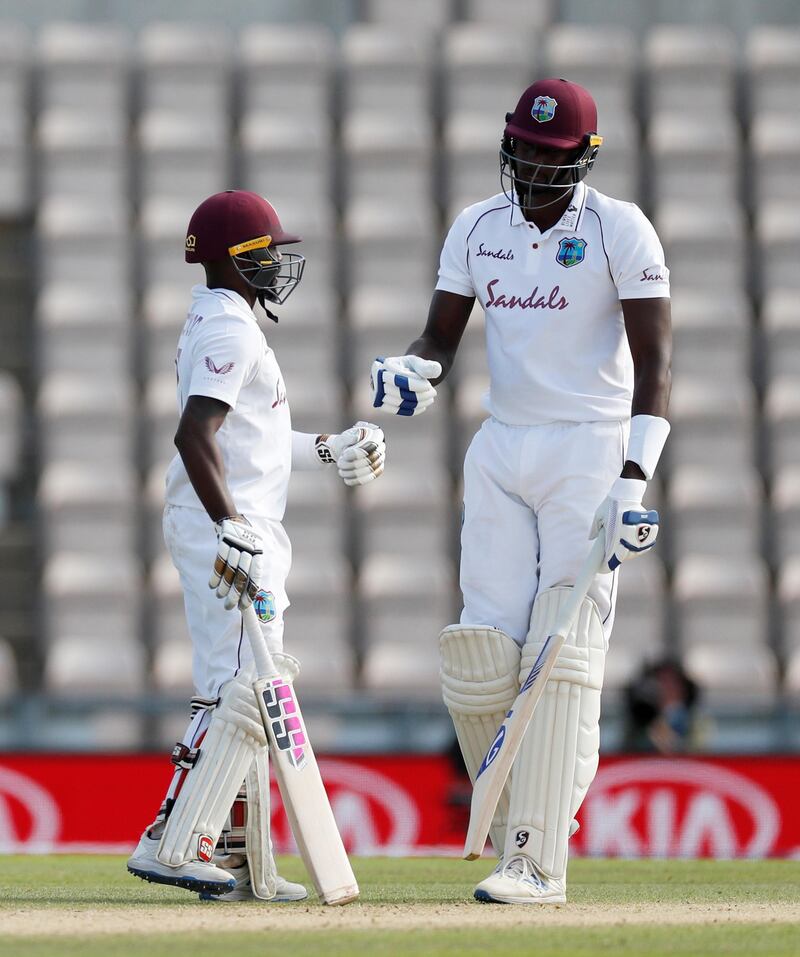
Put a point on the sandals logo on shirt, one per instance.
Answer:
(264, 605)
(224, 369)
(571, 251)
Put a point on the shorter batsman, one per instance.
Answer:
(226, 495)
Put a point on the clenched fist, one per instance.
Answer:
(400, 384)
(359, 453)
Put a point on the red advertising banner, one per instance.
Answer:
(637, 806)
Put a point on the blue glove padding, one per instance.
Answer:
(400, 384)
(630, 529)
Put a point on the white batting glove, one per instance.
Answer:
(400, 384)
(630, 529)
(359, 453)
(237, 567)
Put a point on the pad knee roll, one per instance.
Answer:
(479, 675)
(558, 757)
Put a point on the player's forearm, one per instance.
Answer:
(447, 318)
(649, 331)
(652, 382)
(203, 462)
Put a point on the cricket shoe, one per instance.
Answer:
(191, 875)
(285, 891)
(519, 881)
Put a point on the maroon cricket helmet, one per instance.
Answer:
(554, 113)
(228, 220)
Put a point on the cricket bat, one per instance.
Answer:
(303, 793)
(496, 765)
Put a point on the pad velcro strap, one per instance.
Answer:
(201, 704)
(232, 838)
(184, 757)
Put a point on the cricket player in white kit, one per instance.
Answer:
(576, 295)
(226, 495)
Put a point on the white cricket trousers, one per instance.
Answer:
(530, 495)
(219, 643)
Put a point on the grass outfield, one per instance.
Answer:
(90, 906)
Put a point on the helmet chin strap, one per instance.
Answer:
(262, 297)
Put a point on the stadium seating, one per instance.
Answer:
(10, 426)
(369, 138)
(639, 624)
(690, 71)
(286, 69)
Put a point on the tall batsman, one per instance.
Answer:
(226, 495)
(576, 296)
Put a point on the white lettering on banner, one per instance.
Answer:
(360, 797)
(708, 820)
(356, 821)
(661, 814)
(610, 826)
(673, 807)
(37, 803)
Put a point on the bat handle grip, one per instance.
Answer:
(265, 666)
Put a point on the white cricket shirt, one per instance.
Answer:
(555, 335)
(222, 353)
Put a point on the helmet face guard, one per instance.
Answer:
(273, 274)
(525, 183)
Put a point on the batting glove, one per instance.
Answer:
(237, 567)
(359, 453)
(630, 529)
(400, 384)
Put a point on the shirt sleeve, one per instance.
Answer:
(454, 274)
(226, 355)
(637, 259)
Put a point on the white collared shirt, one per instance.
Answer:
(555, 334)
(222, 353)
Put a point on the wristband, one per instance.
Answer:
(305, 455)
(646, 442)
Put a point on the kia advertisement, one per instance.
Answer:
(399, 805)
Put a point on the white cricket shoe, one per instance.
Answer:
(192, 876)
(518, 881)
(285, 891)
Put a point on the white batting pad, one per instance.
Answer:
(234, 737)
(480, 681)
(557, 760)
(259, 847)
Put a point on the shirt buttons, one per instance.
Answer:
(534, 245)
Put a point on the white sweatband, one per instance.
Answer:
(304, 452)
(646, 443)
